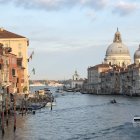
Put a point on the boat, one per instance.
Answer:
(136, 120)
(59, 90)
(113, 101)
(47, 91)
(69, 90)
(36, 106)
(49, 104)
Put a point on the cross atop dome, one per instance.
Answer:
(117, 37)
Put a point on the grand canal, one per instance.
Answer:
(79, 117)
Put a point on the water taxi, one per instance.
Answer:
(136, 120)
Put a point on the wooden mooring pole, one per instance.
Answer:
(22, 107)
(6, 107)
(2, 118)
(14, 113)
(51, 102)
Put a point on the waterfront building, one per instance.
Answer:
(110, 80)
(76, 81)
(4, 68)
(117, 75)
(94, 79)
(20, 77)
(4, 73)
(19, 45)
(124, 81)
(130, 77)
(12, 88)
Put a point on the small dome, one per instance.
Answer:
(137, 53)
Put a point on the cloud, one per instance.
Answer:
(96, 4)
(57, 4)
(125, 8)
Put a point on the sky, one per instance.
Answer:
(69, 35)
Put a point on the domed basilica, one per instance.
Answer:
(117, 53)
(117, 75)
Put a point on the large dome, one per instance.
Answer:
(117, 53)
(117, 49)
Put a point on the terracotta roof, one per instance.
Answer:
(99, 65)
(6, 34)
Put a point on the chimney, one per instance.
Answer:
(1, 29)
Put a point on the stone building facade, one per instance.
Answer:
(117, 75)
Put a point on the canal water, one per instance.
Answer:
(79, 117)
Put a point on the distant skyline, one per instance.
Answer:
(69, 35)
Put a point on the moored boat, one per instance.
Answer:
(50, 104)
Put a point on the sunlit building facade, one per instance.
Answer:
(19, 45)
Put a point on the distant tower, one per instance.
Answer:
(75, 76)
(137, 56)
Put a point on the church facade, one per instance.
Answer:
(117, 75)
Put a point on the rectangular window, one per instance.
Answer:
(13, 72)
(17, 80)
(17, 90)
(19, 62)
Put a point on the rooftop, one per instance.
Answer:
(99, 65)
(6, 34)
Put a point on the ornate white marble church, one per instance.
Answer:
(117, 75)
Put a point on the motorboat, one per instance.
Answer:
(59, 91)
(113, 101)
(136, 120)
